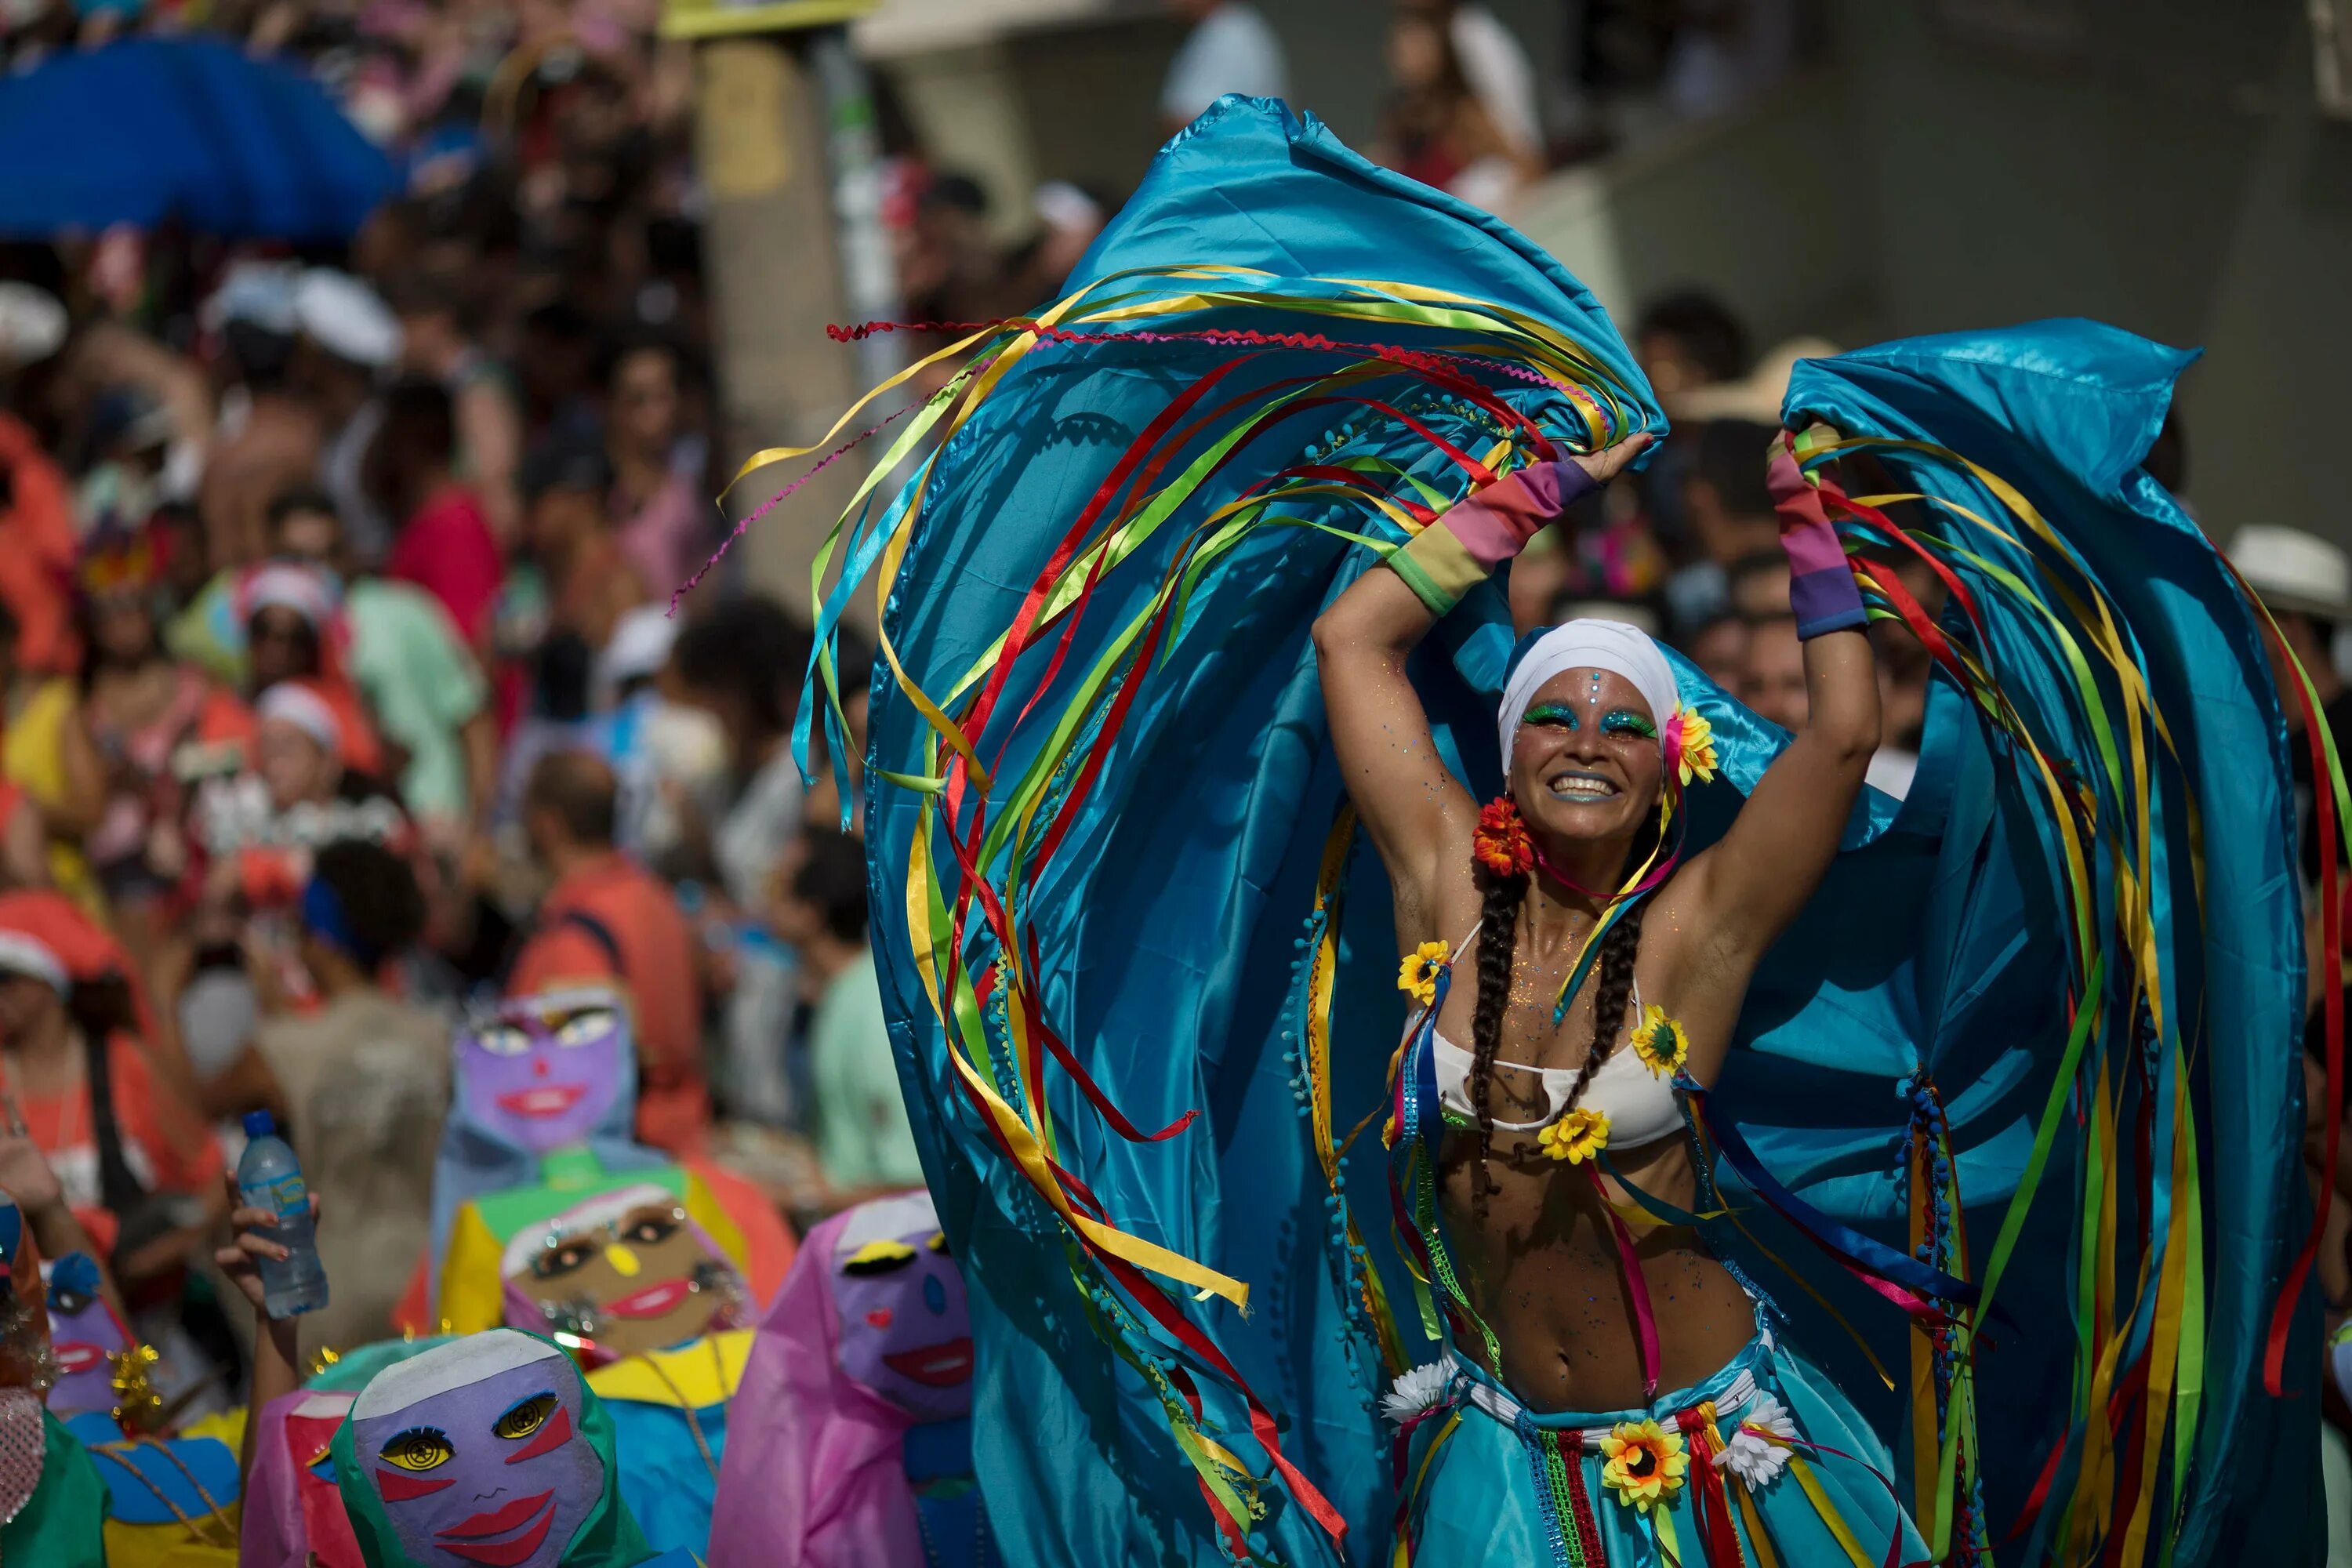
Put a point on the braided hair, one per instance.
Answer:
(1498, 942)
(1498, 946)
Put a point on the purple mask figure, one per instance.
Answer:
(475, 1449)
(543, 1070)
(85, 1336)
(905, 1332)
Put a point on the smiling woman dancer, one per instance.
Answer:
(1567, 1043)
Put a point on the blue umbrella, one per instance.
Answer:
(150, 129)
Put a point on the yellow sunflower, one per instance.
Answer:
(1660, 1043)
(1576, 1137)
(1646, 1462)
(1417, 975)
(1697, 747)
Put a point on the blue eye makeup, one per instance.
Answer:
(1551, 713)
(1625, 721)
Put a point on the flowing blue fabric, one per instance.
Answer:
(147, 128)
(1170, 926)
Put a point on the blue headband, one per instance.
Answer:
(324, 917)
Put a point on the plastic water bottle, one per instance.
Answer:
(269, 1177)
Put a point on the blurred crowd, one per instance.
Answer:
(343, 695)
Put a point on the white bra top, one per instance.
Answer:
(1641, 1107)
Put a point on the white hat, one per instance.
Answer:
(22, 954)
(2293, 572)
(298, 705)
(257, 293)
(346, 318)
(1060, 205)
(639, 646)
(32, 324)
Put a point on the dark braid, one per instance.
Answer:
(1613, 993)
(1498, 945)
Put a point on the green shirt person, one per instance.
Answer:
(864, 1143)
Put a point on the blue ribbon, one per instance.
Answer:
(1849, 1245)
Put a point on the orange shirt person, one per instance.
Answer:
(64, 982)
(607, 917)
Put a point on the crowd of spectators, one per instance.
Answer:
(342, 693)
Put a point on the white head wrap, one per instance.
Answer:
(21, 952)
(1588, 644)
(305, 709)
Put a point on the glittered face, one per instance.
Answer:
(905, 1332)
(1585, 762)
(544, 1069)
(85, 1337)
(624, 1277)
(493, 1472)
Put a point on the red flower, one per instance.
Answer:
(1501, 843)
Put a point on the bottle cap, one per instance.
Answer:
(259, 1124)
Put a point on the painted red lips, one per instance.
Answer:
(474, 1538)
(76, 1355)
(942, 1365)
(544, 1099)
(653, 1301)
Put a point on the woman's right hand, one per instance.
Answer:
(1610, 461)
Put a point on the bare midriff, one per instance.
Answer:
(1543, 1268)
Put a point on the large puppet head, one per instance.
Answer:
(621, 1272)
(542, 1070)
(85, 1337)
(483, 1453)
(905, 1332)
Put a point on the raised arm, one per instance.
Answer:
(1754, 880)
(1418, 814)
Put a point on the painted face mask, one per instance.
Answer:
(476, 1453)
(85, 1337)
(623, 1272)
(905, 1332)
(543, 1070)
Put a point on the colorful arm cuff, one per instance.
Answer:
(1823, 593)
(1462, 549)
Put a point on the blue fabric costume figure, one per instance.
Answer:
(2015, 1069)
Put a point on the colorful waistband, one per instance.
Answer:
(1729, 1394)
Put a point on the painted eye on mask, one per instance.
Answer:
(418, 1448)
(938, 1242)
(564, 1258)
(651, 1231)
(525, 1419)
(879, 1257)
(581, 1027)
(504, 1040)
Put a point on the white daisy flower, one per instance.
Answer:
(1422, 1388)
(1750, 1453)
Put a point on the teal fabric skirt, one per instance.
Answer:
(1765, 1448)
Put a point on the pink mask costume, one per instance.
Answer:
(850, 1442)
(294, 1514)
